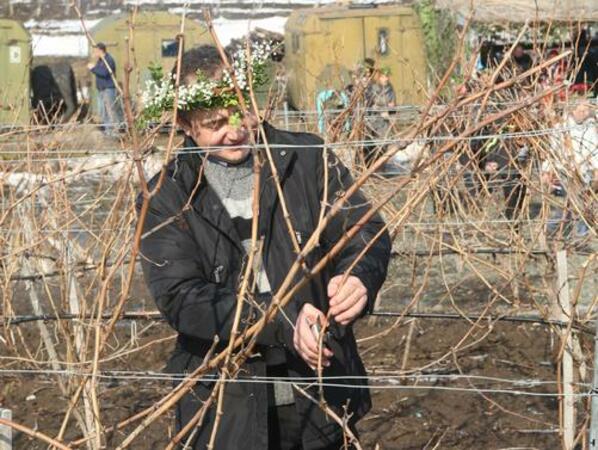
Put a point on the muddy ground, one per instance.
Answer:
(405, 417)
(435, 408)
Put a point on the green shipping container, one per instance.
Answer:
(15, 65)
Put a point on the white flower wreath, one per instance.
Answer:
(159, 94)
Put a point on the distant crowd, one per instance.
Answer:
(567, 162)
(579, 71)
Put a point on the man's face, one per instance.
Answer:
(581, 113)
(214, 128)
(518, 51)
(98, 53)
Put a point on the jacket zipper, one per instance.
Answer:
(217, 271)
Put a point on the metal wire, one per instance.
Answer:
(392, 382)
(435, 225)
(156, 316)
(352, 143)
(292, 113)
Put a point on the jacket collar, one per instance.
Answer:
(282, 158)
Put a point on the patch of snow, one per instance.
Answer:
(238, 11)
(65, 45)
(228, 29)
(66, 38)
(77, 170)
(256, 10)
(21, 181)
(77, 45)
(59, 26)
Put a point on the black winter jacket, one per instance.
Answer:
(192, 259)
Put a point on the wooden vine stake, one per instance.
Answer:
(565, 314)
(5, 430)
(593, 444)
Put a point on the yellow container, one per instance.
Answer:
(15, 66)
(323, 45)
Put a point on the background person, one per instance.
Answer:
(330, 99)
(585, 62)
(109, 108)
(572, 170)
(504, 162)
(380, 98)
(521, 59)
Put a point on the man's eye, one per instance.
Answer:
(216, 123)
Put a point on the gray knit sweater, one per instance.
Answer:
(233, 184)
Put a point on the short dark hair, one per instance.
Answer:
(101, 46)
(205, 58)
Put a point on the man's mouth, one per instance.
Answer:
(240, 144)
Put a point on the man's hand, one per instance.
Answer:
(90, 66)
(304, 340)
(346, 301)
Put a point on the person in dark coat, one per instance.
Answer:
(521, 59)
(109, 108)
(380, 99)
(504, 164)
(585, 60)
(194, 247)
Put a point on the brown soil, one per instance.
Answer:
(433, 418)
(402, 418)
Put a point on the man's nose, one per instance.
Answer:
(235, 133)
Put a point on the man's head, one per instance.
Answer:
(212, 127)
(518, 51)
(359, 76)
(370, 65)
(99, 50)
(383, 75)
(581, 112)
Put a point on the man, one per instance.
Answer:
(521, 59)
(194, 249)
(380, 97)
(496, 162)
(104, 70)
(504, 162)
(585, 63)
(572, 169)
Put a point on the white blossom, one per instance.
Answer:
(160, 94)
